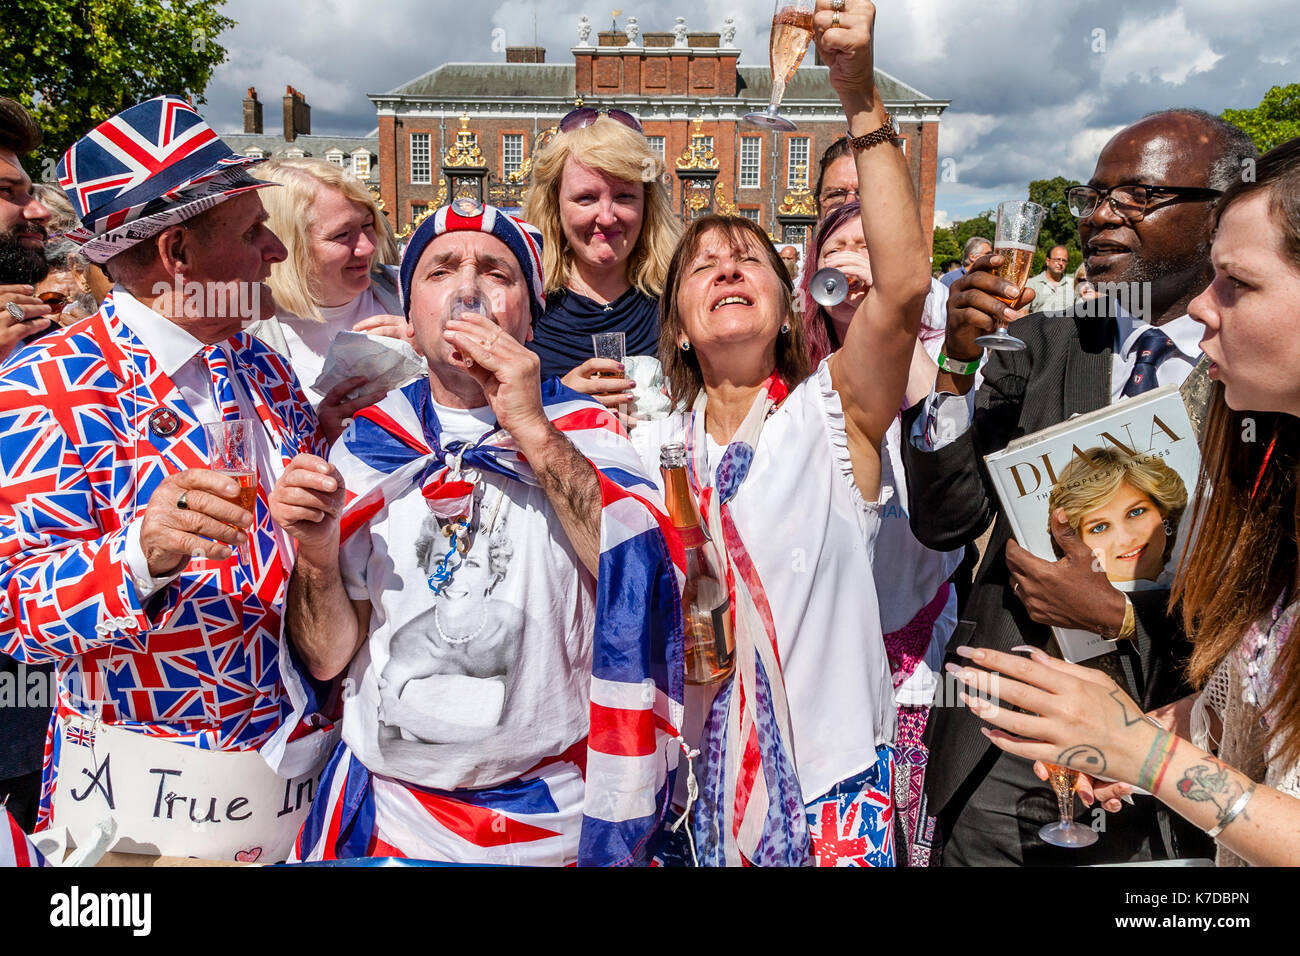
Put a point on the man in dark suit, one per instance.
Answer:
(1145, 231)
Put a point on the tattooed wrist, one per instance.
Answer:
(1157, 761)
(1214, 783)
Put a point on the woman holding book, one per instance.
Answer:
(1228, 760)
(796, 745)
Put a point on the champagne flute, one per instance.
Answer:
(230, 453)
(1065, 832)
(792, 30)
(1015, 240)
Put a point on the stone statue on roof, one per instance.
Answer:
(679, 32)
(584, 31)
(729, 33)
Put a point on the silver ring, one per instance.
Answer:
(182, 503)
(16, 310)
(837, 6)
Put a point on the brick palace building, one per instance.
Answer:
(481, 122)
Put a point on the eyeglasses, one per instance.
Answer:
(838, 197)
(1132, 201)
(584, 116)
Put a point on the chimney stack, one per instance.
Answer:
(297, 115)
(525, 54)
(252, 113)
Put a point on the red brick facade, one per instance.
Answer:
(668, 88)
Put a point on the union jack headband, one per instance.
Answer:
(147, 168)
(465, 215)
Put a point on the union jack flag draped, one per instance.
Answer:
(15, 848)
(637, 678)
(201, 663)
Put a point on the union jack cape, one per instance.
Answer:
(202, 662)
(638, 671)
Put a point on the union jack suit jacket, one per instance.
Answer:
(197, 663)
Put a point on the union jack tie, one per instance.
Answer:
(223, 392)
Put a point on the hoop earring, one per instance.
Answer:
(1169, 529)
(685, 346)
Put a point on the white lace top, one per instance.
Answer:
(1239, 693)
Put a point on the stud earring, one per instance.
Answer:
(686, 345)
(785, 329)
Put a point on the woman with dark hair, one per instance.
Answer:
(918, 604)
(1228, 759)
(797, 743)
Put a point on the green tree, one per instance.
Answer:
(982, 225)
(1060, 228)
(75, 64)
(1274, 121)
(945, 246)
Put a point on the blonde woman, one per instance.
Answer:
(598, 198)
(1124, 505)
(333, 279)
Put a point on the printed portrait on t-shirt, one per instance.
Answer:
(447, 679)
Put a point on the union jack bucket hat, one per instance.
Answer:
(145, 169)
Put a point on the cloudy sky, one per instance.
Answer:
(1037, 86)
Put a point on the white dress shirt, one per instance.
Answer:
(947, 416)
(180, 356)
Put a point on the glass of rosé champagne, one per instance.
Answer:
(230, 453)
(792, 30)
(1015, 240)
(1066, 832)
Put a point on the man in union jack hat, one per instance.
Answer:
(125, 557)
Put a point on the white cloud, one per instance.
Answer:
(1029, 98)
(1164, 49)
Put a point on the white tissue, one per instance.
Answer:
(384, 362)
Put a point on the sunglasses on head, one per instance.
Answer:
(584, 116)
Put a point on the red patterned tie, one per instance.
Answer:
(223, 393)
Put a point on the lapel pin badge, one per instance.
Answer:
(163, 422)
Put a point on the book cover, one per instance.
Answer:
(1124, 475)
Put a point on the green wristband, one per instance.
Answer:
(954, 367)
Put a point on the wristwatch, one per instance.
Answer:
(887, 133)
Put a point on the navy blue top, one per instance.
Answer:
(562, 336)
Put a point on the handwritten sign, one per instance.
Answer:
(172, 800)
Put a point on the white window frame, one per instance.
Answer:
(335, 156)
(658, 145)
(294, 152)
(427, 162)
(508, 142)
(792, 161)
(255, 152)
(755, 167)
(752, 213)
(361, 169)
